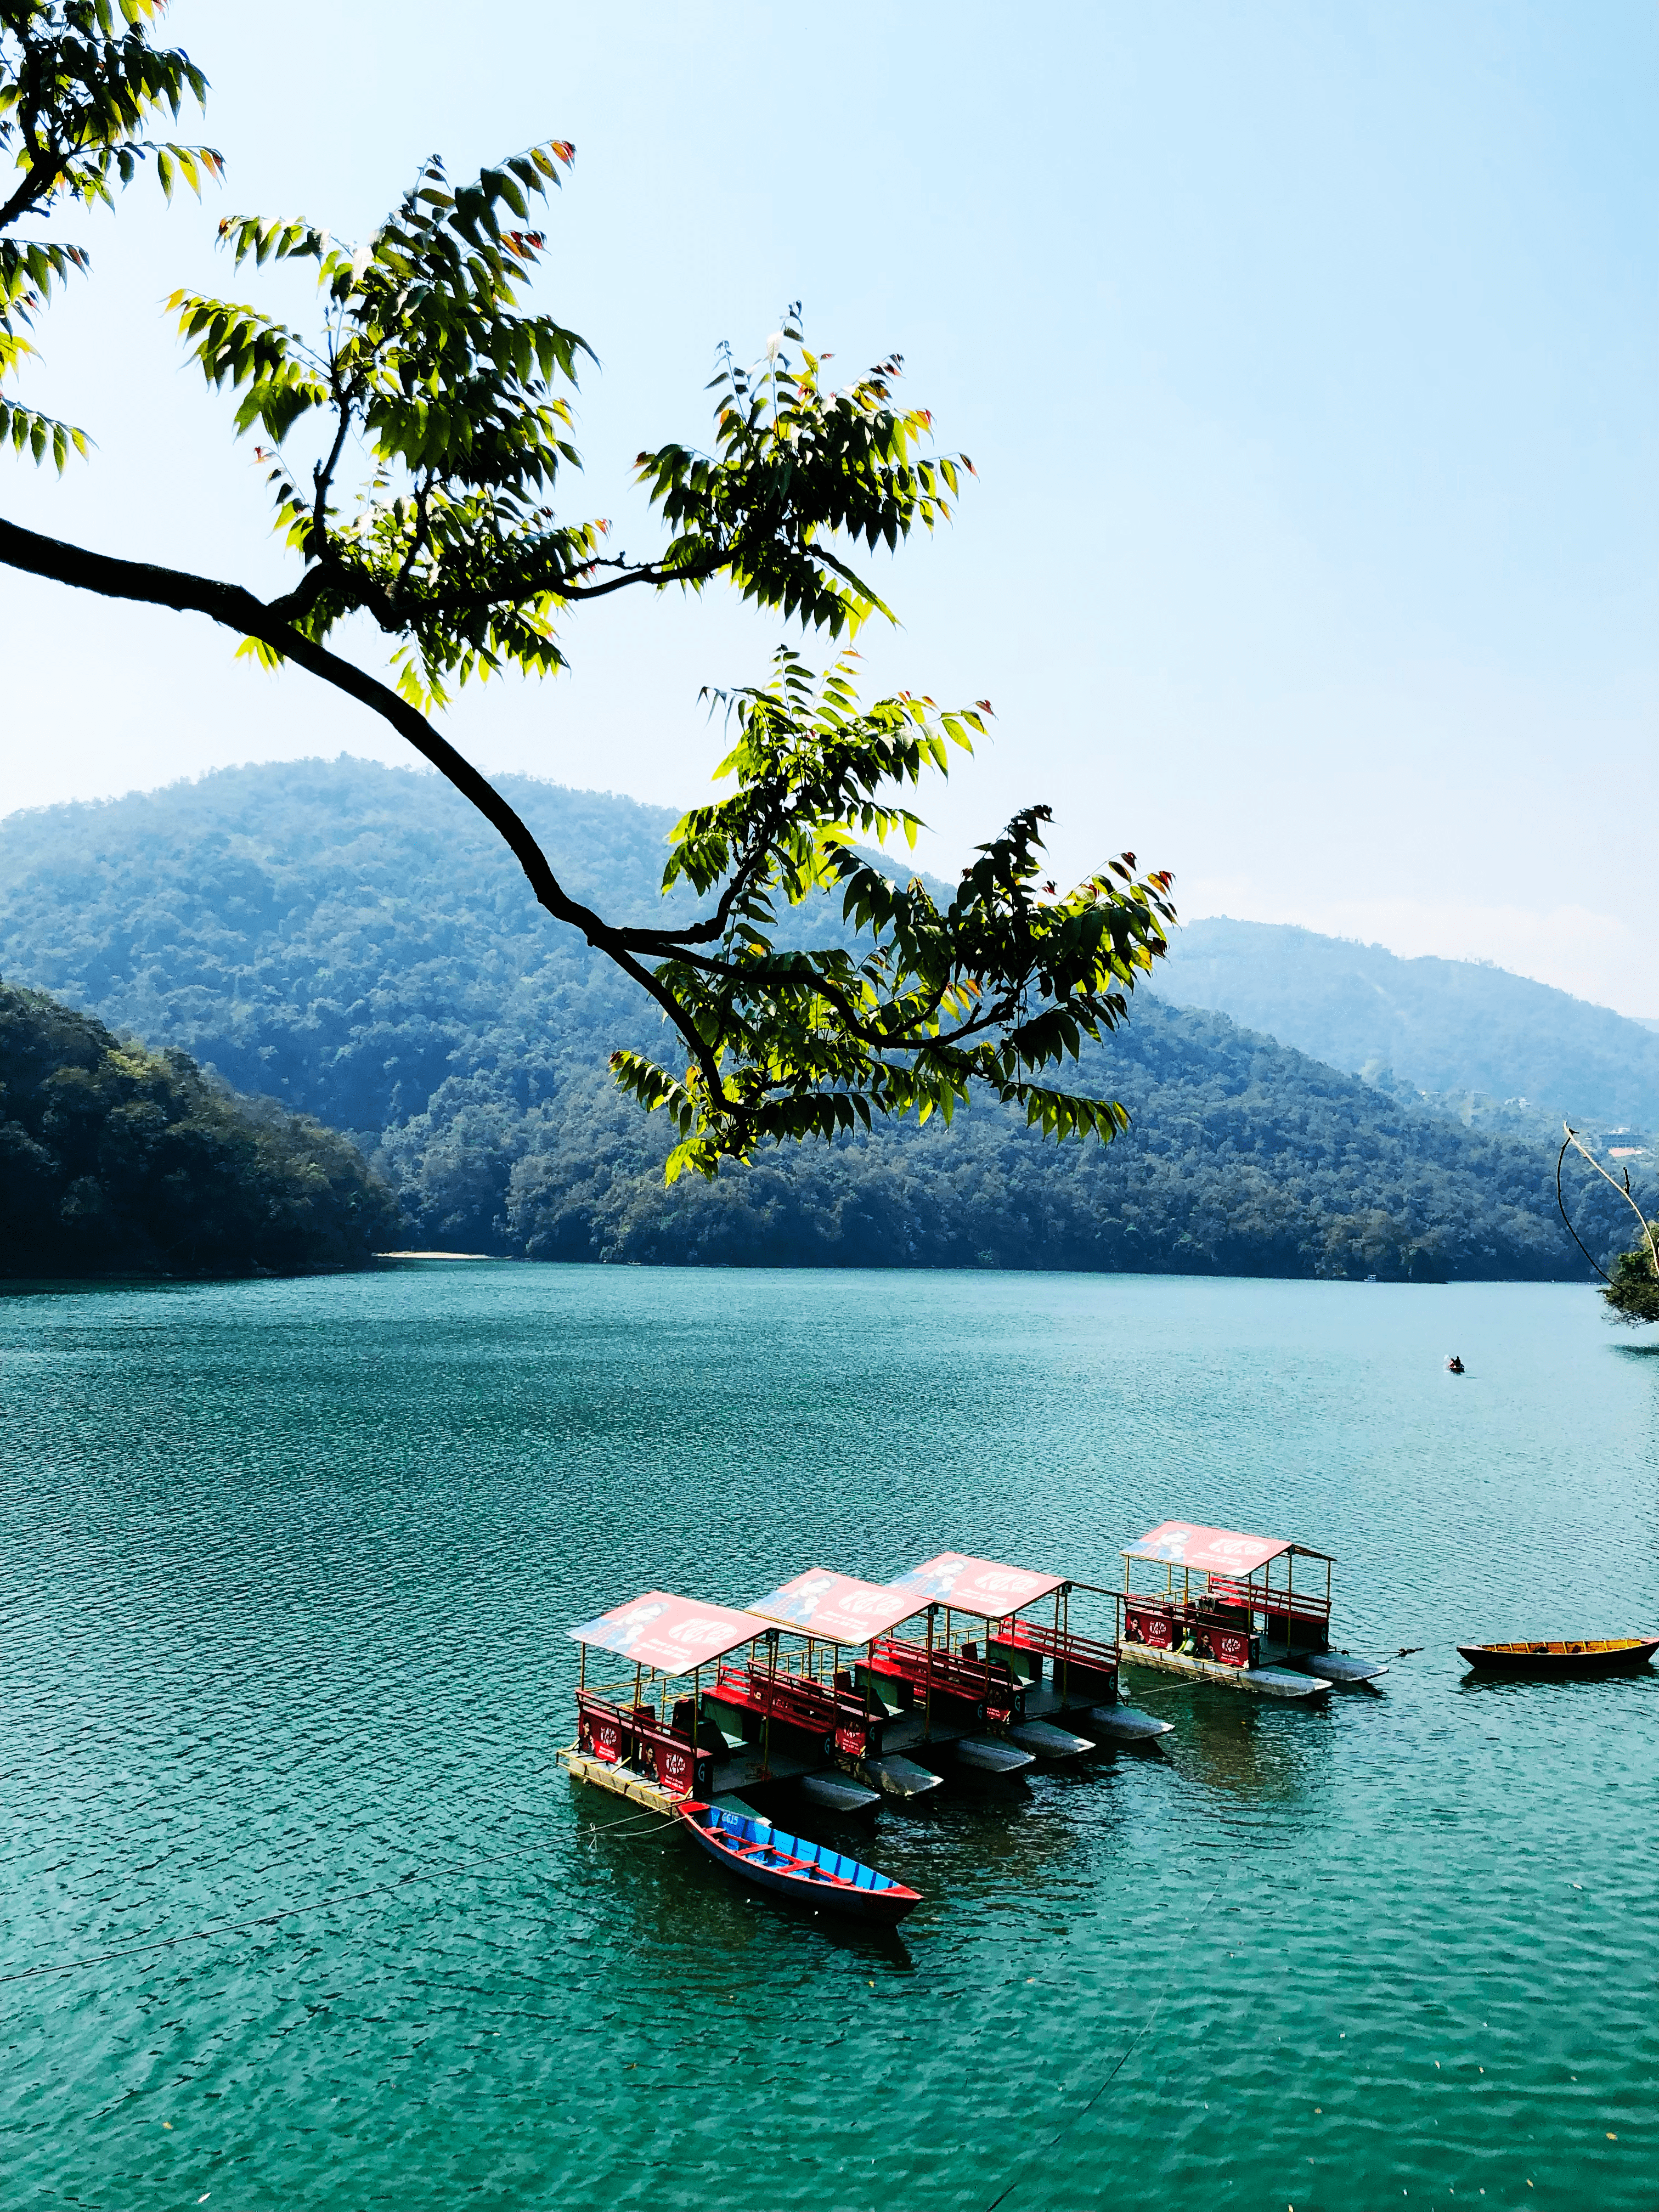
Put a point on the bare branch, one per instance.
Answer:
(1584, 1151)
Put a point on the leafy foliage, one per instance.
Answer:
(929, 1000)
(424, 352)
(1634, 1293)
(80, 85)
(353, 941)
(114, 1159)
(792, 464)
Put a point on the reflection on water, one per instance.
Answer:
(286, 1569)
(1269, 1754)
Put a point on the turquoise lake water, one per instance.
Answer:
(285, 1570)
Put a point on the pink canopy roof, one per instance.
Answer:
(1210, 1551)
(674, 1634)
(974, 1585)
(839, 1608)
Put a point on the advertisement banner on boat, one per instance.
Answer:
(674, 1634)
(1146, 1626)
(837, 1609)
(981, 1586)
(1206, 1550)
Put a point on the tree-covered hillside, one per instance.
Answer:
(350, 939)
(1450, 1027)
(117, 1160)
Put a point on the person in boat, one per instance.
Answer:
(1454, 1366)
(1187, 1646)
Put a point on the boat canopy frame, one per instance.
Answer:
(985, 1589)
(668, 1638)
(1227, 1563)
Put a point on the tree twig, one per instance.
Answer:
(1578, 1145)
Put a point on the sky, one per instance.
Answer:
(1305, 356)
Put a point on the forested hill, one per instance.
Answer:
(353, 940)
(116, 1160)
(1448, 1027)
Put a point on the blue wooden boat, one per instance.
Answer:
(827, 1880)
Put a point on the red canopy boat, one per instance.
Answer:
(1232, 1608)
(626, 1739)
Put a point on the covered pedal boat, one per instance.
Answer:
(622, 1731)
(1224, 1614)
(1028, 1635)
(827, 1615)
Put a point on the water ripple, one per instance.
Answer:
(285, 1570)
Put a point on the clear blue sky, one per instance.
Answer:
(1306, 353)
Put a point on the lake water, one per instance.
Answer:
(286, 1569)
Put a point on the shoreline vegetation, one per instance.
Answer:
(341, 937)
(119, 1161)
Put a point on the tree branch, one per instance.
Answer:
(238, 610)
(1584, 1149)
(323, 475)
(36, 185)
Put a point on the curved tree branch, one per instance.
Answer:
(1561, 1202)
(1624, 1190)
(240, 611)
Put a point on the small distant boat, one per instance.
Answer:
(1606, 1655)
(789, 1866)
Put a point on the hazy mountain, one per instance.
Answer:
(353, 940)
(1445, 1026)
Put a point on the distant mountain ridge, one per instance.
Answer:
(353, 941)
(1446, 1026)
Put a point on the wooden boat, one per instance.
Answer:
(1563, 1656)
(789, 1866)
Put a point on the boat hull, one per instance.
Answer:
(1050, 1745)
(1265, 1682)
(1124, 1724)
(987, 1757)
(899, 1778)
(833, 1793)
(1339, 1668)
(789, 1866)
(1562, 1661)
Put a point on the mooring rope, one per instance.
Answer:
(1083, 2111)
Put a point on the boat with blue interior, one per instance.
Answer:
(816, 1875)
